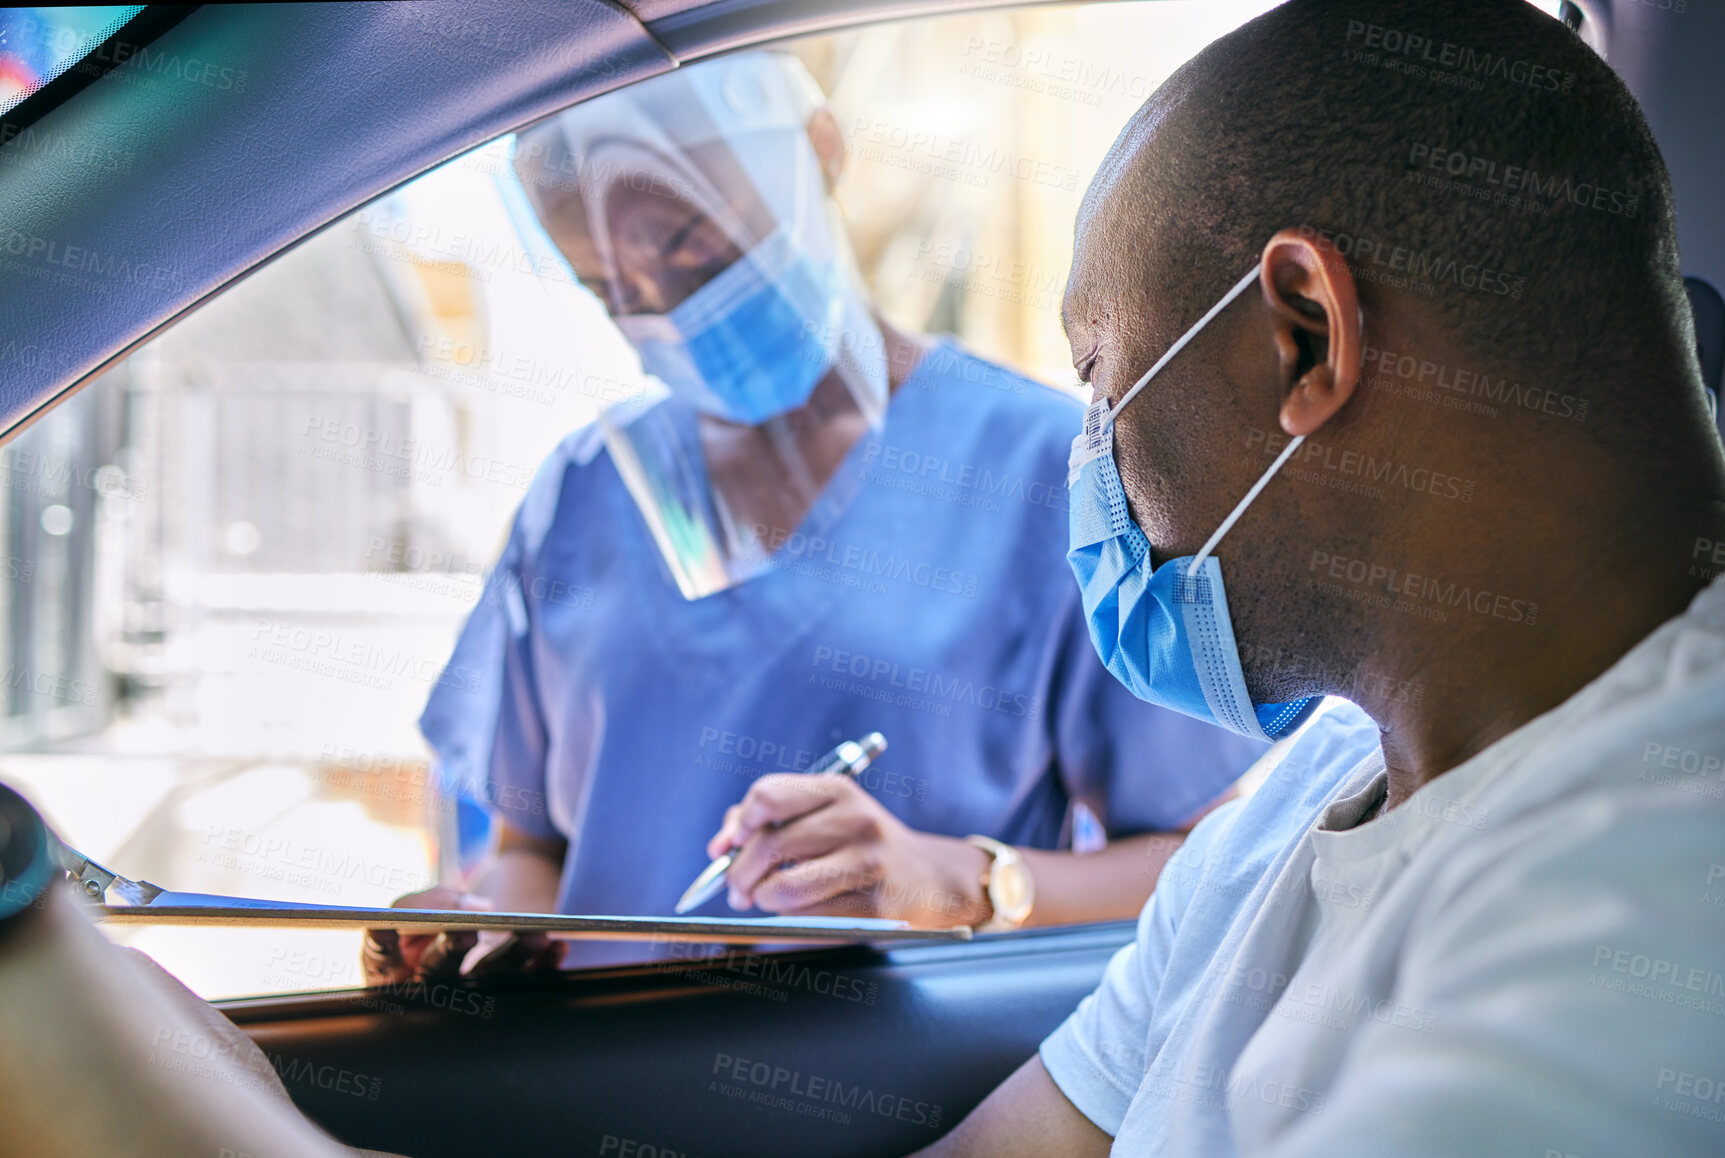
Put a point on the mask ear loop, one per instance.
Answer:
(1180, 344)
(1240, 508)
(1263, 481)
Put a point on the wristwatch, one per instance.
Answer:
(1007, 881)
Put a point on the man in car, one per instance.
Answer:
(823, 528)
(1484, 918)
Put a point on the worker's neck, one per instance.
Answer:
(903, 353)
(773, 474)
(1481, 679)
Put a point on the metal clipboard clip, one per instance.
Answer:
(93, 881)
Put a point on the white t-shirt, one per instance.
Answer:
(1526, 958)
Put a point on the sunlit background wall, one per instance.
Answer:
(972, 139)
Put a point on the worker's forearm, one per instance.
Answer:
(1111, 884)
(524, 878)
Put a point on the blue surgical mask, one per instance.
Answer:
(751, 343)
(1163, 631)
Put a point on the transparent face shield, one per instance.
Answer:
(694, 207)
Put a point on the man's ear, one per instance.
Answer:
(829, 142)
(1316, 311)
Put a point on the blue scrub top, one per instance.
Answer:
(588, 699)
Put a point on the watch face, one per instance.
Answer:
(1009, 889)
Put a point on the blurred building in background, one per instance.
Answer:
(65, 501)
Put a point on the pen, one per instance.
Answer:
(849, 759)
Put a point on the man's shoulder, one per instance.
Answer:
(1621, 803)
(1662, 752)
(1627, 850)
(1653, 726)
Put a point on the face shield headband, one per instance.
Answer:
(753, 341)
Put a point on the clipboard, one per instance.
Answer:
(211, 910)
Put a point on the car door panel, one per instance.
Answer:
(841, 1052)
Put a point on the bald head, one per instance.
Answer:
(1476, 165)
(1469, 305)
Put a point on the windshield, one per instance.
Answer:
(237, 566)
(246, 555)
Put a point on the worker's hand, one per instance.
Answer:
(822, 846)
(390, 956)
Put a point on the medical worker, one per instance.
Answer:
(1483, 911)
(819, 528)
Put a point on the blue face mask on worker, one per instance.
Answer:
(1163, 631)
(752, 342)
